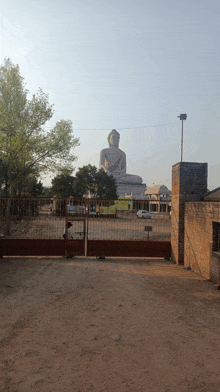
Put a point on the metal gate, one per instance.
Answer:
(87, 227)
(115, 230)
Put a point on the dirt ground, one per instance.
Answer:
(81, 325)
(122, 228)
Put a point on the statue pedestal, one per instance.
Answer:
(124, 188)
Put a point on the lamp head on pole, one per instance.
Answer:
(182, 116)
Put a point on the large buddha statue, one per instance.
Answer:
(113, 161)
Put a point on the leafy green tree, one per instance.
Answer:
(47, 192)
(36, 188)
(30, 187)
(62, 184)
(85, 181)
(105, 186)
(97, 182)
(26, 148)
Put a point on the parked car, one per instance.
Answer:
(143, 214)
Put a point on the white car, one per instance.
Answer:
(143, 214)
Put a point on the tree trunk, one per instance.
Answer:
(8, 205)
(7, 217)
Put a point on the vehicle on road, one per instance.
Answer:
(143, 214)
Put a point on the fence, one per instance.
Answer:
(99, 225)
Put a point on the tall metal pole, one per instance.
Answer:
(182, 143)
(182, 117)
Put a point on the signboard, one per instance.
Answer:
(75, 210)
(123, 205)
(111, 210)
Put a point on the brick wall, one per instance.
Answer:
(189, 183)
(198, 239)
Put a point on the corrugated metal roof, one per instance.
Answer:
(213, 195)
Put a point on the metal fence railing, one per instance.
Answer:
(45, 218)
(39, 218)
(130, 228)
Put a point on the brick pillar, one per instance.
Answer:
(189, 183)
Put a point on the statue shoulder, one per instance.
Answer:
(123, 155)
(104, 151)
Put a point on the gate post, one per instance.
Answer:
(65, 233)
(86, 226)
(189, 183)
(1, 248)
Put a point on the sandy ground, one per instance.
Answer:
(121, 228)
(81, 325)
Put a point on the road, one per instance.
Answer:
(81, 325)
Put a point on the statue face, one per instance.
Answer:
(114, 139)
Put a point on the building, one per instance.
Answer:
(159, 197)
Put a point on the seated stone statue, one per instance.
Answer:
(113, 161)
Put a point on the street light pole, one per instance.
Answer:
(182, 117)
(182, 143)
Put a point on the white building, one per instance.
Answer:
(159, 197)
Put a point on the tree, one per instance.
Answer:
(26, 148)
(47, 192)
(85, 181)
(106, 187)
(30, 187)
(62, 184)
(36, 188)
(97, 182)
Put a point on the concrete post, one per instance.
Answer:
(189, 183)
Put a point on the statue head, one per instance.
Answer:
(113, 138)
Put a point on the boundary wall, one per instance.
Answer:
(195, 222)
(198, 240)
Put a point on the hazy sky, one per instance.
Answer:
(130, 65)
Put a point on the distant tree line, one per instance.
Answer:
(87, 181)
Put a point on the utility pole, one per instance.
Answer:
(182, 117)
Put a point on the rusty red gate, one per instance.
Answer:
(87, 227)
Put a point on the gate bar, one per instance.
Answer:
(86, 226)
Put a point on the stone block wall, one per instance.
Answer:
(189, 183)
(198, 241)
(136, 190)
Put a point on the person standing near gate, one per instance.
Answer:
(69, 236)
